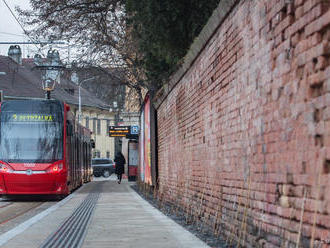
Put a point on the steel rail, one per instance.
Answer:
(6, 205)
(18, 213)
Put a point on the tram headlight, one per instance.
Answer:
(55, 168)
(5, 168)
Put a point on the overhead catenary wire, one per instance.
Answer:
(19, 35)
(22, 27)
(13, 14)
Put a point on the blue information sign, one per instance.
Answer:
(134, 129)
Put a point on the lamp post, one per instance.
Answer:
(116, 109)
(79, 96)
(50, 71)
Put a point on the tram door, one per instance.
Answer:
(133, 159)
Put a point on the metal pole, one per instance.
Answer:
(116, 138)
(47, 95)
(79, 111)
(79, 97)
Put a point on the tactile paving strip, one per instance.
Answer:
(72, 232)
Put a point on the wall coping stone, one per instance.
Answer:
(214, 22)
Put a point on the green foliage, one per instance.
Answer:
(164, 31)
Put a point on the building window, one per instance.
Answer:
(70, 91)
(94, 125)
(87, 122)
(108, 154)
(98, 126)
(107, 128)
(97, 154)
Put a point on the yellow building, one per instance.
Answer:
(98, 121)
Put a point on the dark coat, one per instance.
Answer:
(120, 162)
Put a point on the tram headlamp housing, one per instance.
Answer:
(4, 168)
(55, 168)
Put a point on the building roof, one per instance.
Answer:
(24, 81)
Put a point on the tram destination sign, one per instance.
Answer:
(119, 131)
(24, 117)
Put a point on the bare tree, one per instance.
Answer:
(97, 29)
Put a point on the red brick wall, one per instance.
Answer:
(244, 135)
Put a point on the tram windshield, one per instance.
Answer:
(31, 134)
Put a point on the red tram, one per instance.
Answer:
(42, 149)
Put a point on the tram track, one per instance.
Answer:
(5, 204)
(13, 210)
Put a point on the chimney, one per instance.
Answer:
(15, 54)
(37, 59)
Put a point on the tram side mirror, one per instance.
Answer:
(92, 143)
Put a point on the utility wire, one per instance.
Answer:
(13, 14)
(25, 32)
(13, 34)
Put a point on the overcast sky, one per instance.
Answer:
(10, 30)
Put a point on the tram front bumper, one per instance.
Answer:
(34, 184)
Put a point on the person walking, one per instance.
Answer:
(120, 162)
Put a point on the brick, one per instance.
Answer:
(299, 12)
(315, 39)
(298, 2)
(318, 24)
(326, 85)
(301, 47)
(290, 8)
(326, 114)
(308, 5)
(316, 79)
(319, 50)
(326, 35)
(284, 24)
(295, 39)
(322, 63)
(301, 60)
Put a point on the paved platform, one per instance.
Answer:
(121, 219)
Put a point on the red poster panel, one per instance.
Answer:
(147, 147)
(141, 148)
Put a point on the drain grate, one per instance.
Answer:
(72, 232)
